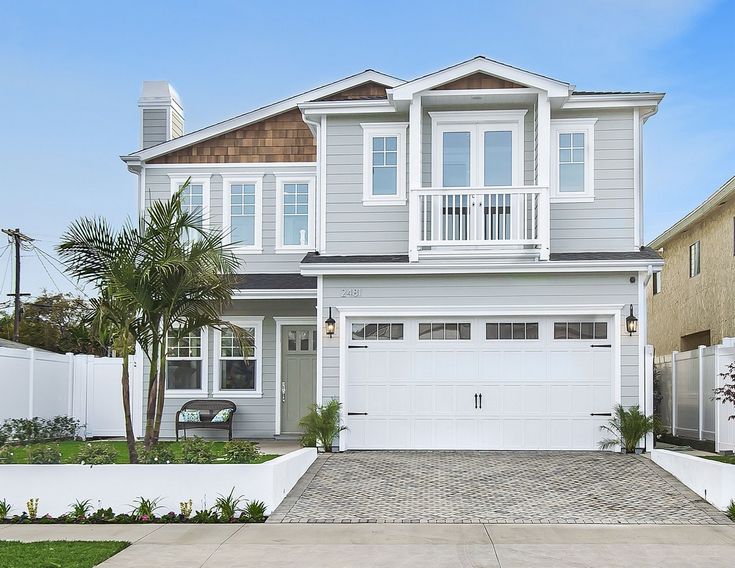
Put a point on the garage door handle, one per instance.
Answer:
(600, 413)
(480, 400)
(357, 414)
(475, 400)
(357, 346)
(604, 345)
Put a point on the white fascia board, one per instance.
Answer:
(461, 269)
(273, 294)
(553, 87)
(261, 113)
(346, 107)
(482, 310)
(612, 101)
(723, 193)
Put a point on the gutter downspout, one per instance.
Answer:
(316, 130)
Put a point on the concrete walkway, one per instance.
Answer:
(409, 545)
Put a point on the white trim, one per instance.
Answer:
(141, 191)
(642, 338)
(322, 337)
(406, 91)
(610, 310)
(203, 357)
(293, 178)
(280, 322)
(585, 126)
(371, 130)
(275, 293)
(637, 201)
(415, 120)
(196, 179)
(623, 100)
(322, 189)
(255, 322)
(321, 108)
(474, 122)
(232, 179)
(213, 167)
(262, 113)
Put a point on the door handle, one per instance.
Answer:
(283, 391)
(480, 401)
(357, 414)
(475, 400)
(600, 413)
(604, 345)
(357, 346)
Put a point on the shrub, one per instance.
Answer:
(96, 454)
(144, 509)
(102, 515)
(197, 450)
(158, 454)
(627, 428)
(44, 454)
(308, 440)
(205, 516)
(255, 512)
(80, 509)
(322, 423)
(228, 506)
(33, 430)
(730, 511)
(241, 451)
(62, 428)
(6, 454)
(4, 509)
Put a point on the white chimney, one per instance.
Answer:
(161, 113)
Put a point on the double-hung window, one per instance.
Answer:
(185, 361)
(295, 213)
(572, 159)
(694, 260)
(384, 163)
(243, 210)
(238, 370)
(194, 199)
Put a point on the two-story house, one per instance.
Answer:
(475, 234)
(690, 302)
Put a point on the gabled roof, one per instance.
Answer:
(481, 64)
(718, 197)
(219, 128)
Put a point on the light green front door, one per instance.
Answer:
(298, 374)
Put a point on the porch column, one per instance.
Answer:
(414, 177)
(543, 159)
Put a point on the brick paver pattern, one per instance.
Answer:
(492, 487)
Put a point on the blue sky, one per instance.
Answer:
(70, 75)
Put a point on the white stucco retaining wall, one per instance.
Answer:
(118, 486)
(713, 481)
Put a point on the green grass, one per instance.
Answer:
(57, 554)
(723, 459)
(69, 451)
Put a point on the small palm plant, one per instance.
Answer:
(228, 506)
(322, 424)
(627, 428)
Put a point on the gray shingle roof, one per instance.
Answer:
(316, 258)
(643, 254)
(274, 282)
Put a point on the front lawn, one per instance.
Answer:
(723, 459)
(69, 451)
(57, 554)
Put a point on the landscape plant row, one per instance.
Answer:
(35, 430)
(227, 509)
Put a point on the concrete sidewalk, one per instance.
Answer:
(405, 545)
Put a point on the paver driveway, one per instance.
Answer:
(492, 487)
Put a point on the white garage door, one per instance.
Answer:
(479, 383)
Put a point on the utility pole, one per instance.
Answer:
(17, 238)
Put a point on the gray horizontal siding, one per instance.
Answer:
(351, 227)
(490, 290)
(154, 127)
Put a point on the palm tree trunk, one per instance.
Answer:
(160, 398)
(152, 394)
(129, 434)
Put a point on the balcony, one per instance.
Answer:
(487, 221)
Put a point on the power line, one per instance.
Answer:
(43, 265)
(53, 265)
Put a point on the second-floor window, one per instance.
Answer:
(694, 259)
(194, 198)
(657, 283)
(572, 160)
(384, 163)
(243, 211)
(294, 214)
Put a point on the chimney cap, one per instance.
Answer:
(159, 94)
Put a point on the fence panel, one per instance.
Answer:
(663, 380)
(687, 394)
(14, 376)
(104, 397)
(50, 384)
(725, 428)
(709, 382)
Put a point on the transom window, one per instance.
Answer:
(384, 169)
(580, 330)
(572, 145)
(184, 361)
(444, 331)
(377, 331)
(511, 330)
(694, 260)
(238, 360)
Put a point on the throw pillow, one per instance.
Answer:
(222, 415)
(190, 416)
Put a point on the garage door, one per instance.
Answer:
(479, 383)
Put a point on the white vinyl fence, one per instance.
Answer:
(38, 383)
(686, 382)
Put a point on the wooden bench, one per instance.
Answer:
(208, 408)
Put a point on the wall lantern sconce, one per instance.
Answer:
(330, 324)
(631, 322)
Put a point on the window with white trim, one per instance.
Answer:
(185, 366)
(243, 212)
(694, 259)
(572, 159)
(377, 331)
(445, 331)
(238, 363)
(295, 213)
(657, 283)
(384, 163)
(580, 330)
(194, 199)
(511, 330)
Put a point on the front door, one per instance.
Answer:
(298, 374)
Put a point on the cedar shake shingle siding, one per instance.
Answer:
(281, 138)
(477, 81)
(367, 91)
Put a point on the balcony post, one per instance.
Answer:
(543, 158)
(414, 177)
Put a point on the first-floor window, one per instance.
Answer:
(184, 362)
(238, 361)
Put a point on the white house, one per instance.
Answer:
(475, 233)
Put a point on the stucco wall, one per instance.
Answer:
(705, 302)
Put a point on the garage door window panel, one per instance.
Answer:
(580, 330)
(506, 331)
(379, 331)
(445, 331)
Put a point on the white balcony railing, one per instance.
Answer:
(493, 217)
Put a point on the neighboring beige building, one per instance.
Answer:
(692, 302)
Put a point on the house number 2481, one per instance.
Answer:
(350, 292)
